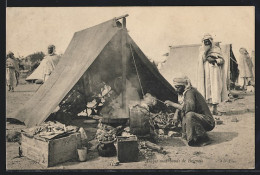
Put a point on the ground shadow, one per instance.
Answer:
(14, 121)
(220, 137)
(237, 96)
(172, 141)
(243, 94)
(16, 91)
(238, 112)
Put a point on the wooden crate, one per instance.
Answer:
(52, 152)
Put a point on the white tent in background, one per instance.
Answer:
(37, 74)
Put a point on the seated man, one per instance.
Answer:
(195, 114)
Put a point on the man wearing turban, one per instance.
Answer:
(12, 72)
(196, 117)
(210, 73)
(50, 61)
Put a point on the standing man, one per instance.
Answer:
(245, 66)
(196, 117)
(50, 61)
(12, 71)
(210, 74)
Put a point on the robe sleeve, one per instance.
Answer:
(202, 54)
(16, 66)
(189, 102)
(216, 53)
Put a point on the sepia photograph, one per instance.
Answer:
(131, 87)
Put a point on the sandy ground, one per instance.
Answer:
(232, 147)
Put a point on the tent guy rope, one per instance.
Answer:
(139, 76)
(136, 70)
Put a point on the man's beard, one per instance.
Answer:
(206, 48)
(180, 92)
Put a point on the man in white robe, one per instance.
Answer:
(210, 73)
(50, 61)
(245, 66)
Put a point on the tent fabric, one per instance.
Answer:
(234, 72)
(184, 59)
(80, 54)
(95, 51)
(151, 67)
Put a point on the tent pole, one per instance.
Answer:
(124, 66)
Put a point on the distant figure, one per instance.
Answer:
(245, 66)
(253, 69)
(196, 117)
(210, 71)
(50, 61)
(253, 57)
(12, 72)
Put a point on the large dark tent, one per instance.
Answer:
(97, 54)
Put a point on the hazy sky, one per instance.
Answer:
(152, 28)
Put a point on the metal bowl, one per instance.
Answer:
(107, 142)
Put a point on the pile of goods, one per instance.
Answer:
(126, 132)
(106, 133)
(164, 121)
(161, 122)
(47, 143)
(106, 136)
(165, 125)
(50, 130)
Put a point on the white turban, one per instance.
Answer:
(207, 36)
(182, 80)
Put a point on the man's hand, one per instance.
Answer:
(175, 105)
(168, 103)
(211, 60)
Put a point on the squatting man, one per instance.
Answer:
(195, 114)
